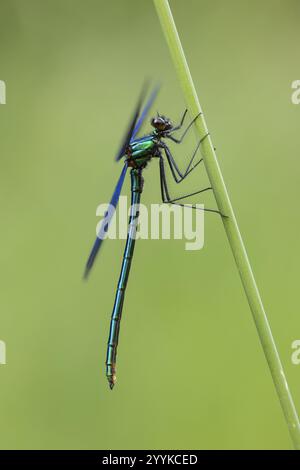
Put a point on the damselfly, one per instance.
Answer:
(137, 153)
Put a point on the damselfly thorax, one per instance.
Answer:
(140, 151)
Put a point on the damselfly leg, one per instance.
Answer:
(178, 141)
(166, 198)
(179, 177)
(176, 173)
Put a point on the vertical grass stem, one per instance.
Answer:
(230, 223)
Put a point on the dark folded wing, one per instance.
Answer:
(105, 223)
(132, 124)
(145, 111)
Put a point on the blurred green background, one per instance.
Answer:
(191, 372)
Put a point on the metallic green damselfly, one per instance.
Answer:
(137, 153)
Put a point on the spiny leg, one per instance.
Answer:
(176, 173)
(173, 165)
(178, 141)
(189, 195)
(166, 195)
(179, 126)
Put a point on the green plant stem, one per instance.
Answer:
(230, 223)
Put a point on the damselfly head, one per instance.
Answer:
(161, 123)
